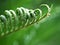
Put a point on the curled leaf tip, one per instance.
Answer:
(20, 18)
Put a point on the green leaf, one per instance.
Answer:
(46, 32)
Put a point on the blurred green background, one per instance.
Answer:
(46, 32)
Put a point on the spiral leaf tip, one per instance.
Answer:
(21, 17)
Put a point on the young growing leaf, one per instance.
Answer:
(20, 18)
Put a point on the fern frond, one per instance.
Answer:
(20, 18)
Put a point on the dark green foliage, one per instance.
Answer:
(45, 32)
